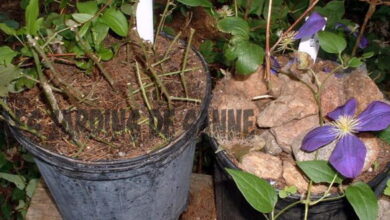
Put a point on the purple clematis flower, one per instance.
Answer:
(313, 24)
(350, 152)
(275, 65)
(363, 41)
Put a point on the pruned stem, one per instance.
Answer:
(267, 74)
(185, 60)
(185, 99)
(164, 15)
(69, 90)
(95, 59)
(15, 122)
(370, 12)
(54, 104)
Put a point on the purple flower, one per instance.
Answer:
(314, 23)
(275, 65)
(363, 41)
(349, 154)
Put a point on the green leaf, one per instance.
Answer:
(368, 55)
(99, 32)
(248, 57)
(363, 201)
(387, 189)
(31, 16)
(331, 42)
(31, 186)
(196, 3)
(116, 20)
(8, 74)
(354, 62)
(283, 194)
(258, 192)
(6, 29)
(105, 54)
(89, 7)
(3, 160)
(334, 11)
(18, 180)
(84, 29)
(128, 9)
(82, 18)
(234, 26)
(206, 49)
(319, 171)
(385, 135)
(7, 55)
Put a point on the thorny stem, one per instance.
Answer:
(69, 90)
(143, 92)
(18, 123)
(164, 15)
(308, 10)
(54, 104)
(370, 12)
(171, 44)
(185, 99)
(178, 72)
(95, 59)
(267, 74)
(182, 77)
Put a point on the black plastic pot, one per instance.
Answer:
(232, 205)
(153, 186)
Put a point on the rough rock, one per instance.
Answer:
(249, 86)
(384, 208)
(227, 107)
(296, 102)
(369, 140)
(360, 86)
(286, 133)
(332, 93)
(373, 149)
(294, 177)
(271, 146)
(262, 165)
(241, 147)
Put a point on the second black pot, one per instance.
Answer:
(232, 205)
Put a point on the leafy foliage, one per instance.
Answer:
(319, 171)
(258, 192)
(363, 200)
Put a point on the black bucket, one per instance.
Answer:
(231, 204)
(153, 186)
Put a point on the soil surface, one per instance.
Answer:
(113, 124)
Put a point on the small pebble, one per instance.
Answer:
(121, 154)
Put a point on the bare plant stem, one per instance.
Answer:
(171, 44)
(95, 59)
(370, 12)
(143, 91)
(69, 90)
(185, 99)
(308, 10)
(15, 122)
(178, 72)
(54, 104)
(184, 66)
(164, 15)
(267, 74)
(326, 193)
